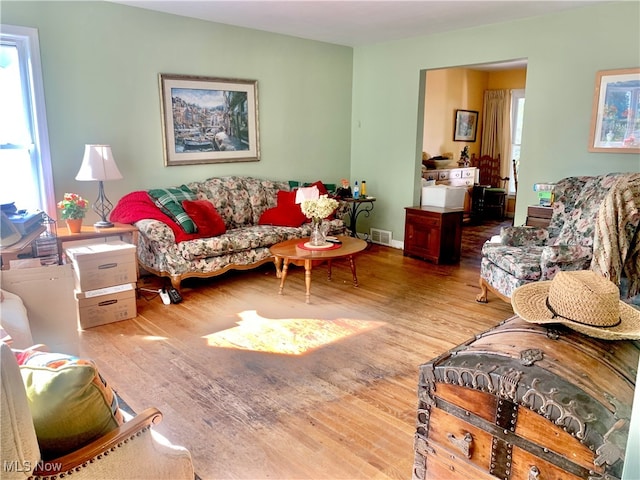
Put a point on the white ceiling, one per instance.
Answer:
(357, 23)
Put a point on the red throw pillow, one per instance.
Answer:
(283, 216)
(321, 188)
(206, 217)
(286, 198)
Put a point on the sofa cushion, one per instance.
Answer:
(205, 216)
(322, 189)
(286, 198)
(262, 195)
(169, 200)
(286, 214)
(283, 216)
(521, 263)
(230, 197)
(71, 404)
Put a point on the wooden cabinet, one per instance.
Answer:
(433, 233)
(521, 401)
(538, 216)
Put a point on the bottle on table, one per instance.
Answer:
(363, 188)
(356, 190)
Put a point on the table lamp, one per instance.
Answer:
(98, 165)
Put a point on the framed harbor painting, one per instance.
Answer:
(615, 114)
(208, 120)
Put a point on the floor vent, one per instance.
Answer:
(382, 237)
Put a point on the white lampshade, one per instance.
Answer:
(98, 164)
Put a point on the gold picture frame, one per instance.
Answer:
(208, 120)
(615, 114)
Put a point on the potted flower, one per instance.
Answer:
(73, 209)
(317, 210)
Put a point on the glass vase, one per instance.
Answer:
(318, 233)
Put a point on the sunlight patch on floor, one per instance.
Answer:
(287, 336)
(154, 338)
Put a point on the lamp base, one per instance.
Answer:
(103, 224)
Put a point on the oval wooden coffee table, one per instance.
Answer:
(292, 251)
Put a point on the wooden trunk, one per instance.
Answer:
(522, 401)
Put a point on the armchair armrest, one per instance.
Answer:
(121, 452)
(564, 257)
(524, 236)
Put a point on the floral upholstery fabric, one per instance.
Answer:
(240, 201)
(520, 236)
(500, 279)
(529, 254)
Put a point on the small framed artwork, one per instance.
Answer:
(466, 126)
(615, 114)
(208, 120)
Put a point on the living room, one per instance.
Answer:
(326, 112)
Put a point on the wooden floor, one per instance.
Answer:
(345, 410)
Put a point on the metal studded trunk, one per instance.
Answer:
(527, 402)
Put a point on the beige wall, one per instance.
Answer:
(450, 89)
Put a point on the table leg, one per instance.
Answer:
(278, 263)
(307, 279)
(357, 207)
(352, 264)
(283, 277)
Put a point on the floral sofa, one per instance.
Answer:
(237, 220)
(594, 225)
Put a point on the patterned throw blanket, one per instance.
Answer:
(616, 243)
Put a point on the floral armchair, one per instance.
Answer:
(585, 211)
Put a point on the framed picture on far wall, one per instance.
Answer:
(208, 120)
(466, 126)
(615, 114)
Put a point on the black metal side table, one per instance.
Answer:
(358, 206)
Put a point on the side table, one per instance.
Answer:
(122, 230)
(356, 207)
(539, 216)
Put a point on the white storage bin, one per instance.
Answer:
(443, 196)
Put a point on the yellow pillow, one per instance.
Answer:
(71, 404)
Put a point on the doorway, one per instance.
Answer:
(447, 90)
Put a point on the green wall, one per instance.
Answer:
(100, 66)
(564, 52)
(325, 111)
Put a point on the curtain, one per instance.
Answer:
(496, 127)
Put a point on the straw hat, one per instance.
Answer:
(583, 300)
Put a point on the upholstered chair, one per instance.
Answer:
(132, 450)
(585, 210)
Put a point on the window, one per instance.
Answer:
(517, 114)
(25, 162)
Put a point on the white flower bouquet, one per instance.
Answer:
(320, 208)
